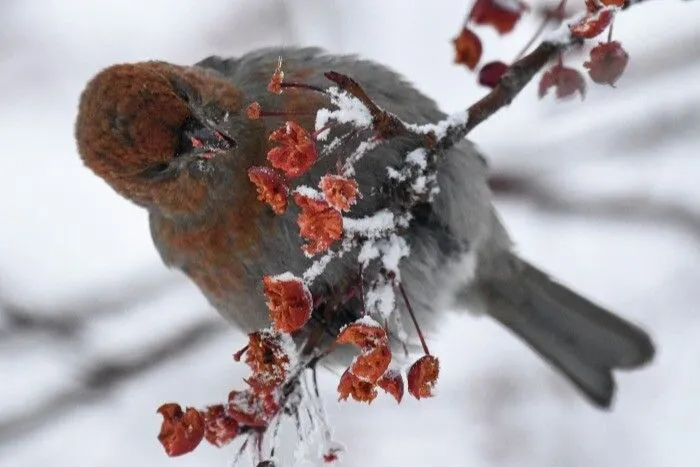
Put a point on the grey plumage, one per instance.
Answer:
(460, 252)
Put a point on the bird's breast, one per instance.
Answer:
(217, 254)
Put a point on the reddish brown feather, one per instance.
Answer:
(129, 119)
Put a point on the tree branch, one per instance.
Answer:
(637, 208)
(102, 377)
(519, 74)
(67, 320)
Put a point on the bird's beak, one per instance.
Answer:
(205, 141)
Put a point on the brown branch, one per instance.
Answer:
(511, 84)
(519, 74)
(385, 124)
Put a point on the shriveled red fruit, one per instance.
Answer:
(339, 192)
(491, 73)
(253, 111)
(607, 63)
(501, 14)
(219, 427)
(271, 186)
(467, 48)
(365, 334)
(275, 84)
(370, 365)
(566, 81)
(266, 357)
(331, 455)
(288, 300)
(592, 24)
(319, 223)
(422, 376)
(360, 390)
(392, 382)
(247, 409)
(180, 432)
(297, 152)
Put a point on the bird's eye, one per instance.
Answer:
(181, 88)
(186, 92)
(160, 171)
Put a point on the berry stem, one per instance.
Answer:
(558, 13)
(315, 134)
(413, 318)
(362, 292)
(310, 87)
(237, 356)
(284, 113)
(532, 40)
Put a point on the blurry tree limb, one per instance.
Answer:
(67, 320)
(638, 139)
(100, 378)
(639, 208)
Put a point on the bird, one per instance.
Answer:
(176, 140)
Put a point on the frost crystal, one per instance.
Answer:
(362, 149)
(309, 192)
(350, 110)
(368, 321)
(371, 226)
(392, 251)
(418, 157)
(511, 5)
(381, 299)
(395, 174)
(440, 128)
(562, 35)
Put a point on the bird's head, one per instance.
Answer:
(160, 134)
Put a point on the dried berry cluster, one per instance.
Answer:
(271, 354)
(502, 15)
(251, 409)
(321, 224)
(320, 221)
(605, 65)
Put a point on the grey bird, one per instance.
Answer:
(176, 140)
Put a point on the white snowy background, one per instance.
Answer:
(95, 333)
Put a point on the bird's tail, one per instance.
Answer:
(581, 339)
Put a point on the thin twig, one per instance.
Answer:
(385, 124)
(558, 12)
(534, 37)
(310, 87)
(413, 318)
(519, 74)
